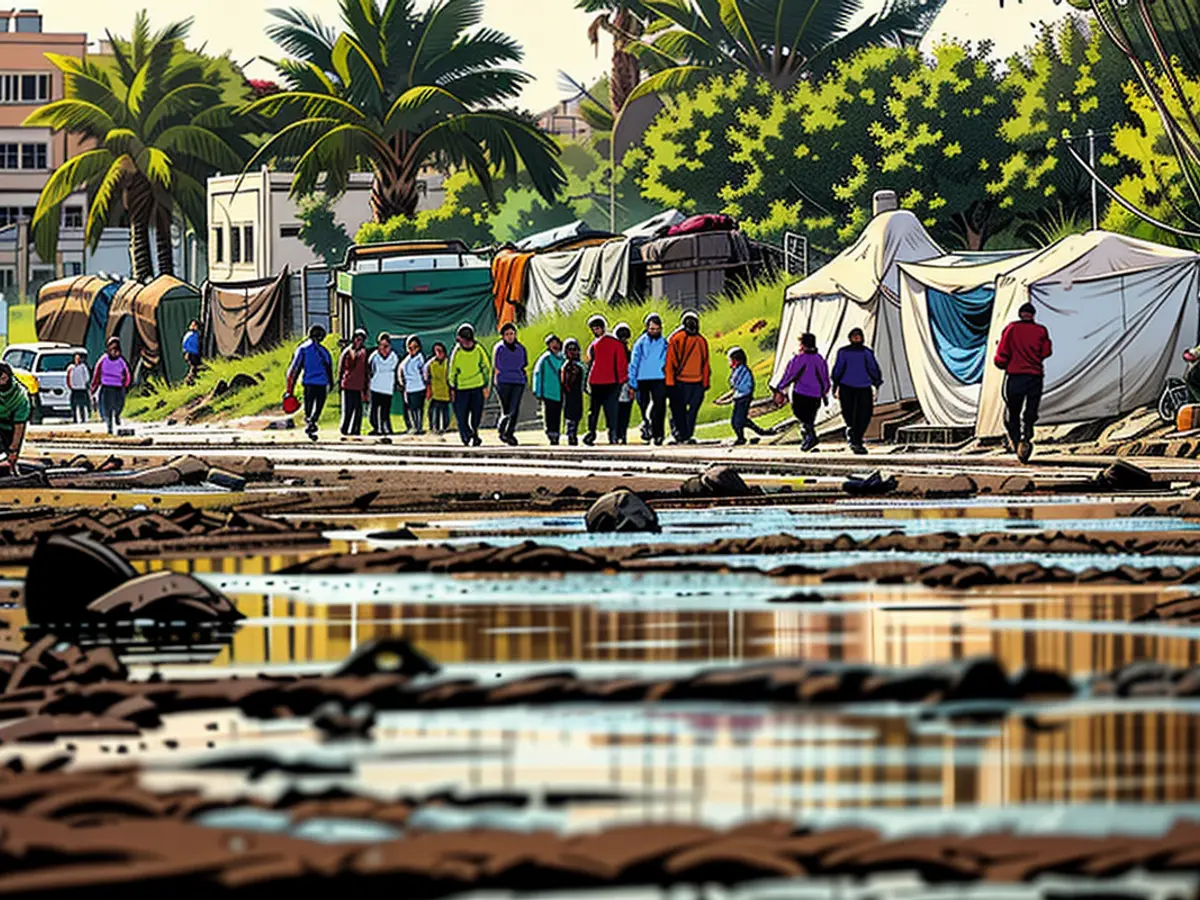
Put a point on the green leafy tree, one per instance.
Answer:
(320, 230)
(398, 90)
(158, 125)
(780, 41)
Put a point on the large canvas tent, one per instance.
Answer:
(860, 287)
(74, 311)
(245, 316)
(150, 321)
(1120, 313)
(945, 313)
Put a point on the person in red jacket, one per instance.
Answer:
(1024, 348)
(608, 369)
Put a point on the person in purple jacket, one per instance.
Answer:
(808, 376)
(856, 377)
(509, 362)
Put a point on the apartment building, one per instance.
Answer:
(28, 155)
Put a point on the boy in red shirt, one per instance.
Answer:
(608, 369)
(1024, 348)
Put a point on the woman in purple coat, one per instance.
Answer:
(808, 376)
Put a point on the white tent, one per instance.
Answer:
(1120, 312)
(945, 312)
(860, 287)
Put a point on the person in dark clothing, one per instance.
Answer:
(352, 378)
(574, 383)
(191, 351)
(808, 376)
(856, 377)
(509, 362)
(1024, 348)
(648, 376)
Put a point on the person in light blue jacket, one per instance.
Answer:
(648, 377)
(547, 386)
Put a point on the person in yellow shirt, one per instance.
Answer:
(437, 389)
(470, 375)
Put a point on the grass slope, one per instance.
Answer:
(750, 321)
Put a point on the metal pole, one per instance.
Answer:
(1092, 163)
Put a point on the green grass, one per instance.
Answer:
(749, 321)
(157, 401)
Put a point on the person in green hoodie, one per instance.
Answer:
(547, 386)
(15, 410)
(470, 375)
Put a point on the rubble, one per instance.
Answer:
(621, 511)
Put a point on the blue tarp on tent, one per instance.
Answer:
(98, 321)
(960, 323)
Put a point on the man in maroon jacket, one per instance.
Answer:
(1024, 348)
(608, 369)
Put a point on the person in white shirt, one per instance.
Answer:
(79, 379)
(412, 380)
(383, 365)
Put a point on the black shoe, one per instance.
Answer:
(808, 445)
(692, 441)
(573, 441)
(1024, 451)
(553, 440)
(739, 441)
(590, 438)
(658, 442)
(511, 441)
(477, 441)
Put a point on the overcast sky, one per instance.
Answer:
(553, 32)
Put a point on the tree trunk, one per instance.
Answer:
(140, 259)
(626, 70)
(162, 243)
(393, 194)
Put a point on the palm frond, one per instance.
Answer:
(676, 80)
(71, 115)
(201, 144)
(444, 23)
(303, 36)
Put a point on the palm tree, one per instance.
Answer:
(157, 128)
(396, 91)
(625, 21)
(781, 41)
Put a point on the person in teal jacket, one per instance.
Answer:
(547, 386)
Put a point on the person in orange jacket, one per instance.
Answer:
(688, 376)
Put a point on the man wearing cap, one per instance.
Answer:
(1024, 348)
(608, 369)
(547, 386)
(313, 364)
(352, 379)
(688, 375)
(470, 375)
(648, 377)
(15, 410)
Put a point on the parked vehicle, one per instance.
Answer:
(45, 363)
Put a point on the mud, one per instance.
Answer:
(73, 834)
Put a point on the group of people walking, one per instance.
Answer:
(104, 386)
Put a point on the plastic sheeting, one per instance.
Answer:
(565, 280)
(654, 227)
(97, 328)
(64, 307)
(509, 271)
(546, 239)
(859, 288)
(1120, 312)
(242, 317)
(144, 316)
(947, 368)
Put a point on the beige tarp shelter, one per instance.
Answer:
(150, 320)
(64, 308)
(243, 317)
(860, 287)
(945, 313)
(1120, 313)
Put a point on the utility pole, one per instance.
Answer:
(1092, 163)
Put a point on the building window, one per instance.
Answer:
(9, 156)
(72, 217)
(33, 156)
(235, 244)
(218, 242)
(248, 243)
(289, 231)
(8, 278)
(76, 268)
(10, 215)
(24, 88)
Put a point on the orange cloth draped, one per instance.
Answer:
(508, 284)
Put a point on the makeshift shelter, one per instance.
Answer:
(563, 280)
(688, 270)
(150, 321)
(1120, 311)
(554, 238)
(510, 269)
(427, 288)
(97, 330)
(65, 309)
(945, 314)
(859, 288)
(654, 227)
(245, 316)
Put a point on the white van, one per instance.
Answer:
(48, 362)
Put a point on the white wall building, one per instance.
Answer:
(254, 229)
